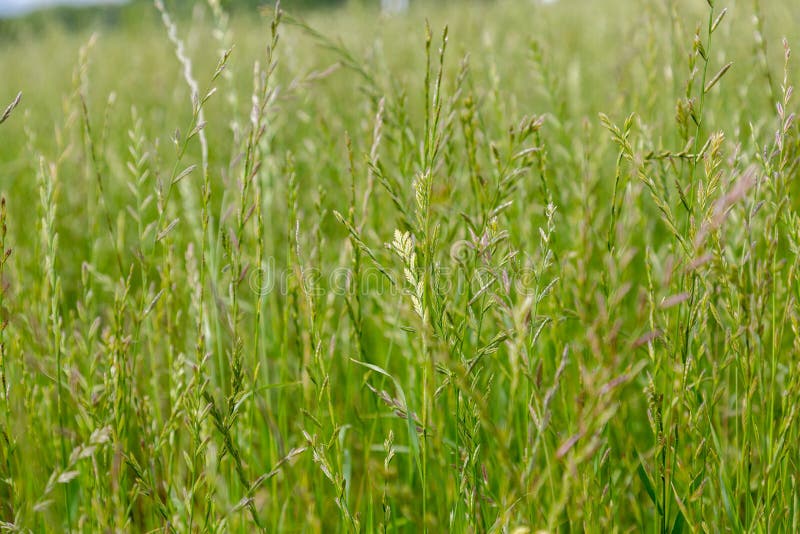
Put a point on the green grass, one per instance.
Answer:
(516, 268)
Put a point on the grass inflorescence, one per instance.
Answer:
(505, 267)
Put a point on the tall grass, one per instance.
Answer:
(484, 268)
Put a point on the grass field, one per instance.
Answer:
(485, 267)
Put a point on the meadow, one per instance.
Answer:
(481, 267)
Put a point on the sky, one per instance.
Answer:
(19, 7)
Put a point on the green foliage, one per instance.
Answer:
(505, 267)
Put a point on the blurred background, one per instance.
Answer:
(18, 15)
(12, 8)
(70, 9)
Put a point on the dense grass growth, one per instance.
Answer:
(520, 267)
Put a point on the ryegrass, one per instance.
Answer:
(514, 268)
